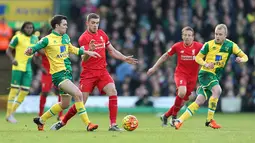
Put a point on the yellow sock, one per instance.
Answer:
(19, 100)
(13, 93)
(189, 111)
(55, 109)
(82, 112)
(212, 105)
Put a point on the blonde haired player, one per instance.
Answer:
(213, 58)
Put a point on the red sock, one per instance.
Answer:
(113, 108)
(169, 112)
(60, 113)
(70, 113)
(177, 105)
(42, 104)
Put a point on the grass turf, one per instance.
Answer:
(237, 128)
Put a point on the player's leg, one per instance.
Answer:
(57, 92)
(15, 87)
(24, 89)
(46, 84)
(106, 85)
(212, 105)
(181, 91)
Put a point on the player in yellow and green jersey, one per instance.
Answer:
(21, 68)
(213, 58)
(57, 47)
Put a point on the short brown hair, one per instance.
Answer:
(187, 28)
(92, 15)
(57, 20)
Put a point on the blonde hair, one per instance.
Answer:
(222, 26)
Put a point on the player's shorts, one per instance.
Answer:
(206, 80)
(184, 80)
(46, 82)
(59, 77)
(21, 79)
(91, 79)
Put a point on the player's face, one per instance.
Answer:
(93, 24)
(220, 35)
(28, 29)
(187, 37)
(62, 27)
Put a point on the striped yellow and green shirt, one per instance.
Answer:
(20, 42)
(57, 48)
(219, 54)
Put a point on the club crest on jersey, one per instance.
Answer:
(193, 52)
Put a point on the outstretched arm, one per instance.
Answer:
(38, 46)
(155, 67)
(118, 55)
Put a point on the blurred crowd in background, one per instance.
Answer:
(148, 28)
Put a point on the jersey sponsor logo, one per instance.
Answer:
(62, 49)
(188, 58)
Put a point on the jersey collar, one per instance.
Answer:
(55, 33)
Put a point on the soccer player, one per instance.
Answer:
(46, 81)
(94, 73)
(21, 68)
(213, 57)
(57, 47)
(186, 71)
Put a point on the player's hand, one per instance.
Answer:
(92, 45)
(151, 71)
(239, 60)
(93, 54)
(29, 51)
(131, 60)
(209, 65)
(14, 62)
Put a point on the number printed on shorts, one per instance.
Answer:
(181, 81)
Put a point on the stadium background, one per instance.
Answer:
(145, 29)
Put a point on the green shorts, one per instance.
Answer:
(206, 80)
(59, 77)
(21, 79)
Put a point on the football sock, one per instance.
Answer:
(42, 104)
(55, 109)
(212, 105)
(177, 105)
(61, 112)
(20, 99)
(82, 112)
(13, 93)
(169, 112)
(70, 113)
(113, 108)
(189, 111)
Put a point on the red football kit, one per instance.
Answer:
(187, 69)
(94, 73)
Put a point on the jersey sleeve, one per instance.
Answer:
(106, 39)
(236, 49)
(40, 45)
(172, 50)
(14, 42)
(75, 50)
(83, 42)
(205, 49)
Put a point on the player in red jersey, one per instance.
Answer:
(94, 73)
(186, 71)
(46, 81)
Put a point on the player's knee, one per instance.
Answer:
(78, 94)
(200, 100)
(181, 93)
(112, 91)
(65, 105)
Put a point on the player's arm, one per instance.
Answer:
(118, 55)
(201, 55)
(242, 57)
(159, 62)
(9, 51)
(38, 46)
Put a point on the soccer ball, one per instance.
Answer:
(130, 123)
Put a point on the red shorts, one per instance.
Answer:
(46, 82)
(189, 81)
(92, 78)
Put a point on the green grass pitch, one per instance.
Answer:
(237, 128)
